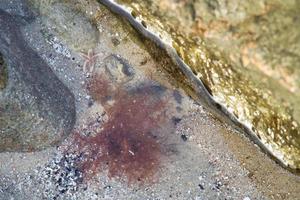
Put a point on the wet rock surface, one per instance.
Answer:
(262, 37)
(37, 110)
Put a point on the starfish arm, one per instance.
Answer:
(90, 53)
(85, 66)
(92, 68)
(97, 55)
(85, 56)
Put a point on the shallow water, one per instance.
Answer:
(113, 71)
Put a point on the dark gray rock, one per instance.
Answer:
(36, 109)
(118, 69)
(17, 8)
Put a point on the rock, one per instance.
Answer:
(16, 7)
(118, 69)
(184, 137)
(36, 109)
(261, 38)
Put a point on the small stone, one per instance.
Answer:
(176, 120)
(184, 137)
(118, 69)
(115, 41)
(201, 186)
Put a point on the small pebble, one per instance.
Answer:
(184, 137)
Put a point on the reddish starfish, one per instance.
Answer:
(90, 60)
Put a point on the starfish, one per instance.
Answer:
(90, 60)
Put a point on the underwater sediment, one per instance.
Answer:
(226, 87)
(137, 134)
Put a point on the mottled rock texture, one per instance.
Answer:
(36, 109)
(262, 37)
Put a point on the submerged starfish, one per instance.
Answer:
(90, 60)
